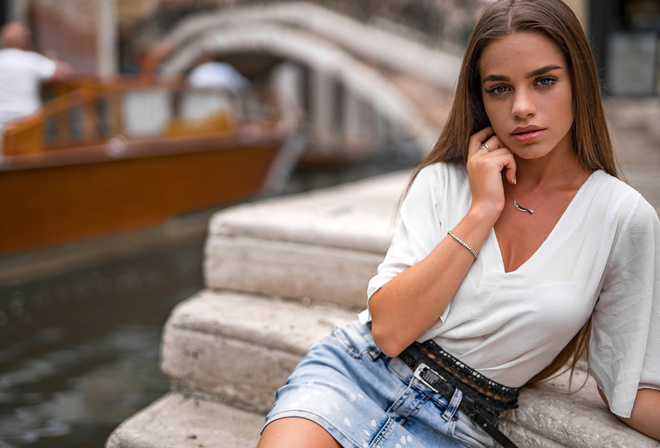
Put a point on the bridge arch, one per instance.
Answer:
(360, 58)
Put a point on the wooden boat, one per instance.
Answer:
(107, 157)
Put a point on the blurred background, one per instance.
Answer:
(174, 109)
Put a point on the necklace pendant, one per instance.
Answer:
(521, 208)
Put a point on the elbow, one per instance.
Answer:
(391, 334)
(386, 341)
(645, 417)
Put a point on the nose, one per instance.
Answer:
(523, 105)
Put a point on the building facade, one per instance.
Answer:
(624, 37)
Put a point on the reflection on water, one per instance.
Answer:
(79, 353)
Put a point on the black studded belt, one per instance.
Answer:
(443, 373)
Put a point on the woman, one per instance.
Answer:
(515, 248)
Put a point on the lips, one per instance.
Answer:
(527, 134)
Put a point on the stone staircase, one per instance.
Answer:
(280, 274)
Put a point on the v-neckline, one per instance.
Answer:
(562, 218)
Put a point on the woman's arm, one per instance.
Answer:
(645, 416)
(413, 301)
(409, 304)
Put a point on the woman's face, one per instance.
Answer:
(527, 93)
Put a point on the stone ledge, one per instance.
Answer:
(325, 244)
(358, 216)
(177, 421)
(240, 348)
(289, 269)
(548, 416)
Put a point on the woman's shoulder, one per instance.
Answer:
(617, 187)
(616, 196)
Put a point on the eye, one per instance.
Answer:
(546, 81)
(497, 90)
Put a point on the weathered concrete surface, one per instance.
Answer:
(177, 421)
(325, 245)
(549, 416)
(214, 327)
(240, 348)
(293, 270)
(237, 348)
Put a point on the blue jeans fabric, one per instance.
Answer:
(366, 399)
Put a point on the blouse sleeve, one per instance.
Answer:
(624, 351)
(417, 232)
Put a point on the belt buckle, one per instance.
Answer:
(421, 368)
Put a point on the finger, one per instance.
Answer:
(492, 144)
(477, 139)
(484, 134)
(510, 170)
(508, 162)
(488, 145)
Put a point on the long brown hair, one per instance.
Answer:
(591, 139)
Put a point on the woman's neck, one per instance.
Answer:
(546, 171)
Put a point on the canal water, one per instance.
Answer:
(79, 350)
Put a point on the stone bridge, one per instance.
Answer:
(354, 82)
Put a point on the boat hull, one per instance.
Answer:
(70, 195)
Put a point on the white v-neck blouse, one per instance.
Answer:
(603, 256)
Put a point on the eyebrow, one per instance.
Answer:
(532, 74)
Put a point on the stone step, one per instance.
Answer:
(551, 417)
(180, 421)
(228, 347)
(324, 245)
(239, 348)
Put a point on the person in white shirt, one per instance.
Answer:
(515, 249)
(22, 72)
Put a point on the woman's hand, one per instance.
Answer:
(409, 304)
(487, 159)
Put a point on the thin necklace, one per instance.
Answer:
(531, 210)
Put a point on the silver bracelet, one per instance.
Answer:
(451, 234)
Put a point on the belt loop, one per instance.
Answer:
(452, 407)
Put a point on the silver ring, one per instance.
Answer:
(486, 147)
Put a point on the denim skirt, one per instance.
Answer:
(366, 399)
